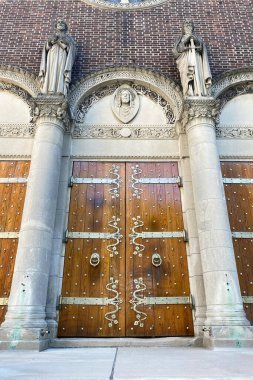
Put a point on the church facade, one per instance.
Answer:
(126, 173)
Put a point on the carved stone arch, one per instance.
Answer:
(163, 86)
(20, 78)
(232, 83)
(235, 121)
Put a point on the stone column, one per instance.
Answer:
(226, 323)
(193, 250)
(25, 326)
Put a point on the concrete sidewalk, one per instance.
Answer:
(126, 363)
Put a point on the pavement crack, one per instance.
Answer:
(113, 366)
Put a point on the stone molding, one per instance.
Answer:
(100, 93)
(121, 131)
(237, 90)
(17, 130)
(124, 158)
(234, 131)
(20, 78)
(149, 79)
(52, 108)
(231, 79)
(200, 107)
(124, 6)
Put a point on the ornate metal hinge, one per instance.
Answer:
(242, 235)
(238, 180)
(112, 248)
(139, 248)
(9, 235)
(93, 301)
(247, 299)
(137, 191)
(114, 191)
(137, 301)
(13, 180)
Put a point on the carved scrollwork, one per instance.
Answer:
(90, 131)
(203, 107)
(50, 106)
(234, 131)
(17, 130)
(240, 89)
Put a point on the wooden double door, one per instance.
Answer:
(125, 266)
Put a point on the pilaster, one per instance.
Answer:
(25, 326)
(225, 323)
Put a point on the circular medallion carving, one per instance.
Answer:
(124, 5)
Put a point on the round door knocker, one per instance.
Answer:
(156, 259)
(94, 259)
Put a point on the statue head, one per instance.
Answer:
(188, 27)
(125, 96)
(61, 26)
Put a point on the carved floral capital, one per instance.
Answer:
(51, 107)
(207, 108)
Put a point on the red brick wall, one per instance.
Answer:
(142, 38)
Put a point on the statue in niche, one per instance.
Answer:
(125, 103)
(192, 62)
(57, 60)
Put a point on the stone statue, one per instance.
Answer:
(57, 60)
(125, 103)
(192, 62)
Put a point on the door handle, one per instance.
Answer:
(94, 259)
(156, 259)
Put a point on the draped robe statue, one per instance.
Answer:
(57, 60)
(192, 62)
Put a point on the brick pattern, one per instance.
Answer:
(141, 38)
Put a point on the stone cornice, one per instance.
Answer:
(20, 78)
(200, 108)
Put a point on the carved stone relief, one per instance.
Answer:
(21, 78)
(125, 110)
(85, 106)
(234, 131)
(124, 5)
(125, 103)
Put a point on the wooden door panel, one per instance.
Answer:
(95, 208)
(12, 196)
(155, 207)
(239, 197)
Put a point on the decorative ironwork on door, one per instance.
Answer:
(125, 236)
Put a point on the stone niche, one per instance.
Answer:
(13, 110)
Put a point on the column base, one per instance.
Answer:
(24, 339)
(228, 337)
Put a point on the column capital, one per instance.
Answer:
(200, 108)
(51, 108)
